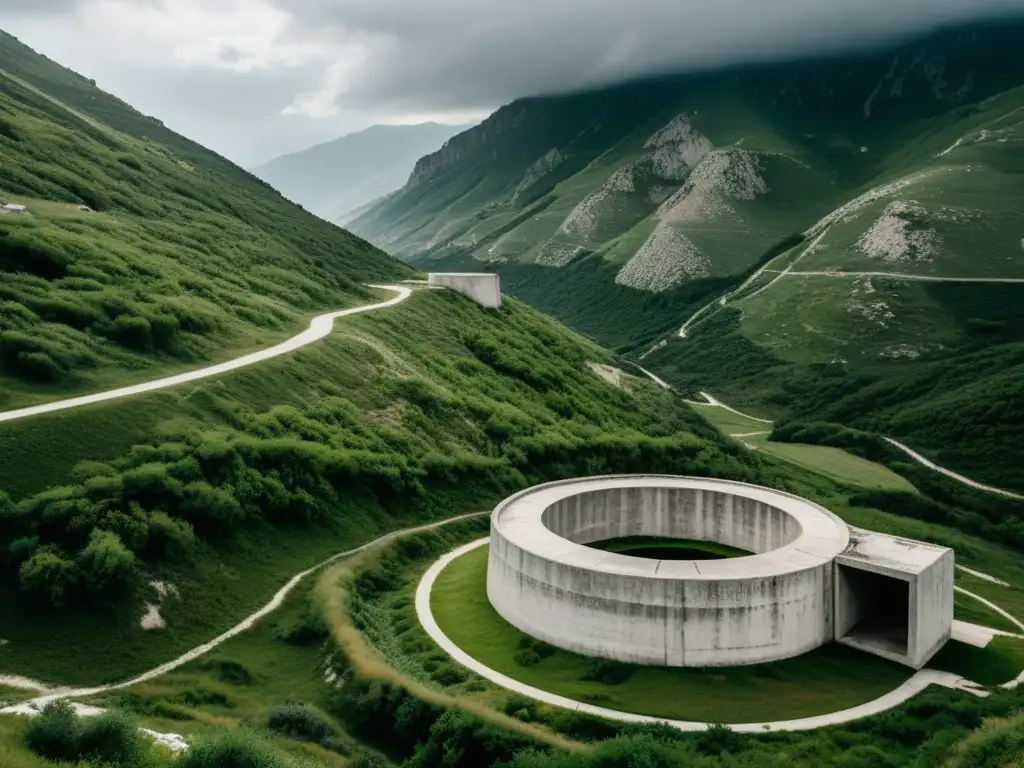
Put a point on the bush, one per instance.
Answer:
(532, 651)
(111, 738)
(608, 671)
(54, 733)
(307, 629)
(302, 722)
(236, 748)
(718, 739)
(231, 671)
(105, 563)
(39, 366)
(48, 575)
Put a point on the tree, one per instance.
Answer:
(48, 574)
(106, 564)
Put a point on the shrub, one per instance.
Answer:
(608, 671)
(39, 366)
(112, 738)
(106, 564)
(231, 671)
(48, 574)
(300, 721)
(54, 733)
(130, 161)
(199, 696)
(308, 629)
(532, 651)
(718, 739)
(236, 748)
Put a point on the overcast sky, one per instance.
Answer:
(257, 78)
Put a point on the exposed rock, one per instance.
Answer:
(665, 260)
(893, 238)
(537, 171)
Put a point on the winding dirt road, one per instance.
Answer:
(32, 706)
(319, 327)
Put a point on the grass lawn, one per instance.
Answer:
(834, 463)
(968, 609)
(10, 695)
(999, 663)
(827, 680)
(729, 423)
(661, 548)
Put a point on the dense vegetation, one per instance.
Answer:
(977, 388)
(180, 257)
(228, 488)
(863, 155)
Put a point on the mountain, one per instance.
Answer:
(339, 176)
(842, 225)
(139, 249)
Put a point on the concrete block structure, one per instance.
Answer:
(481, 287)
(808, 582)
(894, 597)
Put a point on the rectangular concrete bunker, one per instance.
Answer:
(894, 597)
(482, 287)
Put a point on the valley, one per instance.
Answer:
(247, 456)
(831, 245)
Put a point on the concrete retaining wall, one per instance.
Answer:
(483, 288)
(771, 605)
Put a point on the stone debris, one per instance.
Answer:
(893, 238)
(665, 260)
(723, 174)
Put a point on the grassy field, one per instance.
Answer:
(659, 547)
(826, 680)
(835, 463)
(368, 396)
(1001, 661)
(970, 610)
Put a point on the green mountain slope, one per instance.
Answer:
(626, 211)
(140, 250)
(339, 176)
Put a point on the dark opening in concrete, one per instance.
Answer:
(874, 611)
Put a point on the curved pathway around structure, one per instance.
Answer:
(319, 327)
(173, 741)
(917, 682)
(714, 402)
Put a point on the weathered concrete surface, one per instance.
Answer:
(768, 606)
(894, 597)
(920, 680)
(481, 287)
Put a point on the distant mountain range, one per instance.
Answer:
(836, 238)
(339, 176)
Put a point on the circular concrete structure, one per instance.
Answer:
(771, 605)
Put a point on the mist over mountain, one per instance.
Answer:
(339, 176)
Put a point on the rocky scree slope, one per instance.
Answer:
(846, 223)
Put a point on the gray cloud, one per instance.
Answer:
(254, 78)
(460, 53)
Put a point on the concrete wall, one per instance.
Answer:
(927, 571)
(483, 288)
(931, 610)
(769, 606)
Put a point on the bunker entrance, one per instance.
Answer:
(873, 611)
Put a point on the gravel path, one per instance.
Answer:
(319, 327)
(917, 683)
